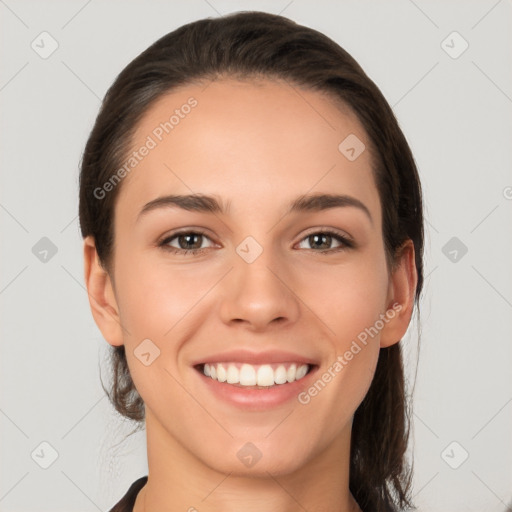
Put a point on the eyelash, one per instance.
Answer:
(346, 243)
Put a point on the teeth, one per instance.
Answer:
(301, 371)
(265, 375)
(247, 375)
(233, 374)
(221, 373)
(280, 375)
(290, 374)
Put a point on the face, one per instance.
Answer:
(251, 283)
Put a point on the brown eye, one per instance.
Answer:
(189, 241)
(322, 240)
(185, 242)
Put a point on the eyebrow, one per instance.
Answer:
(209, 204)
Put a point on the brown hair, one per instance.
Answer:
(249, 45)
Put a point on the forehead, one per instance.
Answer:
(254, 143)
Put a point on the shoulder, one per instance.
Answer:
(125, 504)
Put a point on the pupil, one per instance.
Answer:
(318, 237)
(187, 239)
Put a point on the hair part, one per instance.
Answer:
(250, 46)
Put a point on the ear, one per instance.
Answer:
(401, 294)
(101, 295)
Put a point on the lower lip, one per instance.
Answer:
(257, 399)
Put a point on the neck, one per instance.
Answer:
(320, 484)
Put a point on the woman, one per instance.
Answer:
(253, 229)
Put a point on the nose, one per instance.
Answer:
(259, 294)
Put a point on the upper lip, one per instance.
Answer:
(247, 356)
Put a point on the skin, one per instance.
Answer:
(257, 145)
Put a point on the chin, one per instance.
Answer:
(257, 460)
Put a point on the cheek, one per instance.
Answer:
(350, 303)
(153, 298)
(349, 297)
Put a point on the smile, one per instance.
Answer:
(255, 376)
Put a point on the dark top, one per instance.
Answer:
(128, 500)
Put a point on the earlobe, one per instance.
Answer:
(401, 296)
(101, 295)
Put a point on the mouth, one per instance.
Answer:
(254, 381)
(255, 376)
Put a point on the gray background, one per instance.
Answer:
(454, 109)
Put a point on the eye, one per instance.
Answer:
(185, 242)
(191, 242)
(323, 239)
